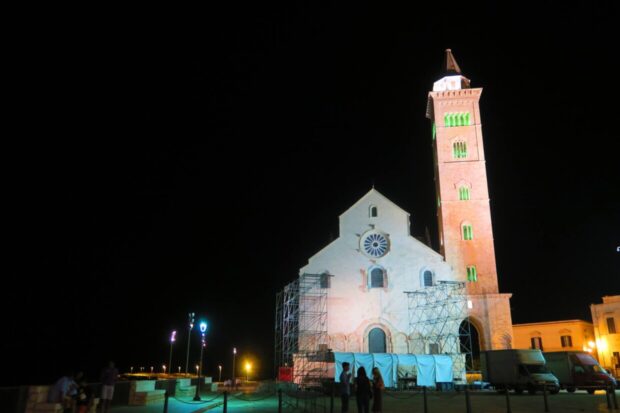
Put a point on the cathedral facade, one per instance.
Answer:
(374, 265)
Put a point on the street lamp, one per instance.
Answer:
(220, 367)
(173, 338)
(189, 333)
(203, 343)
(233, 370)
(163, 366)
(248, 367)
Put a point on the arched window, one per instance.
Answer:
(467, 232)
(459, 149)
(377, 275)
(463, 193)
(376, 341)
(427, 278)
(452, 119)
(472, 274)
(374, 212)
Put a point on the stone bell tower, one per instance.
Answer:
(463, 209)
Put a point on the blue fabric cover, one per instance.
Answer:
(429, 369)
(443, 368)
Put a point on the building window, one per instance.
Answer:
(537, 343)
(457, 119)
(463, 193)
(428, 278)
(374, 212)
(467, 232)
(567, 341)
(459, 150)
(377, 275)
(434, 131)
(472, 275)
(377, 341)
(325, 280)
(611, 325)
(616, 359)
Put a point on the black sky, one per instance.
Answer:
(159, 162)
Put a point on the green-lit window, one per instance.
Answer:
(434, 131)
(451, 119)
(459, 149)
(463, 193)
(438, 202)
(472, 274)
(468, 233)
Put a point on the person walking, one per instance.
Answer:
(108, 379)
(345, 387)
(363, 391)
(377, 389)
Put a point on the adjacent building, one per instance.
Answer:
(606, 321)
(566, 335)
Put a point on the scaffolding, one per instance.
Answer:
(436, 315)
(301, 329)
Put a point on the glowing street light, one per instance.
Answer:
(203, 343)
(220, 368)
(179, 369)
(151, 369)
(233, 368)
(131, 370)
(190, 317)
(248, 368)
(163, 366)
(173, 338)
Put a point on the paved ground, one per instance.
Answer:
(488, 402)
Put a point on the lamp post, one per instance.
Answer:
(189, 333)
(220, 368)
(233, 369)
(203, 343)
(163, 366)
(248, 367)
(173, 338)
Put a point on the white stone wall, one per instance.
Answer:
(354, 308)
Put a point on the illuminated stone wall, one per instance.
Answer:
(607, 343)
(354, 308)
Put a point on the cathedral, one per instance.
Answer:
(367, 279)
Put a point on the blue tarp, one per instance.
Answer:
(428, 369)
(443, 369)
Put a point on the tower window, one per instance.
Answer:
(567, 341)
(536, 343)
(434, 131)
(468, 233)
(463, 193)
(377, 278)
(459, 150)
(611, 325)
(374, 212)
(472, 274)
(452, 119)
(428, 278)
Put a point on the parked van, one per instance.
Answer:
(517, 370)
(578, 370)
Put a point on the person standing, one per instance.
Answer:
(377, 388)
(108, 379)
(362, 391)
(345, 387)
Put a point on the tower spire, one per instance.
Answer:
(450, 67)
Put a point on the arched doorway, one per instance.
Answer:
(470, 344)
(376, 341)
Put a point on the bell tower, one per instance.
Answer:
(463, 209)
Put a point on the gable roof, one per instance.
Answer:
(370, 193)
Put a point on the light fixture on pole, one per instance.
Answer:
(248, 368)
(163, 366)
(233, 367)
(189, 333)
(203, 343)
(173, 338)
(220, 368)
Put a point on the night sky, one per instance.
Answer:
(162, 163)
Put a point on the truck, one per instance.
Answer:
(517, 370)
(578, 370)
